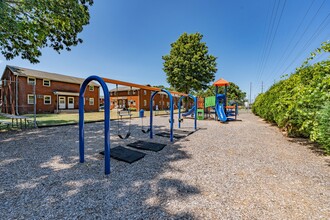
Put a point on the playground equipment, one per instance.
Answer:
(119, 152)
(193, 110)
(121, 114)
(171, 113)
(106, 122)
(219, 107)
(141, 115)
(223, 111)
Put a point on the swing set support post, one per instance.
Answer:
(106, 122)
(171, 113)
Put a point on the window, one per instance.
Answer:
(30, 99)
(145, 92)
(91, 101)
(46, 82)
(133, 92)
(153, 102)
(168, 104)
(47, 99)
(31, 81)
(91, 88)
(145, 102)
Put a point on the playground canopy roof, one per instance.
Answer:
(221, 82)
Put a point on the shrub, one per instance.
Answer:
(321, 130)
(295, 104)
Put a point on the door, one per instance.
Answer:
(61, 103)
(70, 102)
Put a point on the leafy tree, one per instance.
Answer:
(234, 93)
(29, 25)
(189, 67)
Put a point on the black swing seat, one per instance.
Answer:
(126, 136)
(146, 131)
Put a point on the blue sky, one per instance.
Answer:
(255, 41)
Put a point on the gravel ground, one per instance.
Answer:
(240, 170)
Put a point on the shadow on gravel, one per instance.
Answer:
(41, 177)
(311, 145)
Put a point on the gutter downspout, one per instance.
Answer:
(16, 95)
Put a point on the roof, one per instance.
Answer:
(221, 82)
(20, 71)
(128, 88)
(124, 88)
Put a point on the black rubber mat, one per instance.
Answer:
(125, 154)
(167, 134)
(183, 132)
(144, 145)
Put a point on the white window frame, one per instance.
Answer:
(91, 101)
(91, 88)
(133, 92)
(45, 80)
(145, 102)
(33, 78)
(145, 92)
(50, 99)
(28, 99)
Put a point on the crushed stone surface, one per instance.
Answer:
(241, 170)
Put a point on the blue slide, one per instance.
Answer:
(220, 112)
(189, 112)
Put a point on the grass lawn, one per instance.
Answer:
(61, 119)
(70, 118)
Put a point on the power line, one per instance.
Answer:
(271, 45)
(303, 34)
(294, 35)
(264, 34)
(317, 33)
(267, 40)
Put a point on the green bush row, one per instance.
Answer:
(300, 104)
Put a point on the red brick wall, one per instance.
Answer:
(124, 99)
(24, 89)
(142, 99)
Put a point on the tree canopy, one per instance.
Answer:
(29, 25)
(189, 67)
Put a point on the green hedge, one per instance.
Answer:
(300, 103)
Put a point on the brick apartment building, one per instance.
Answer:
(54, 92)
(136, 98)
